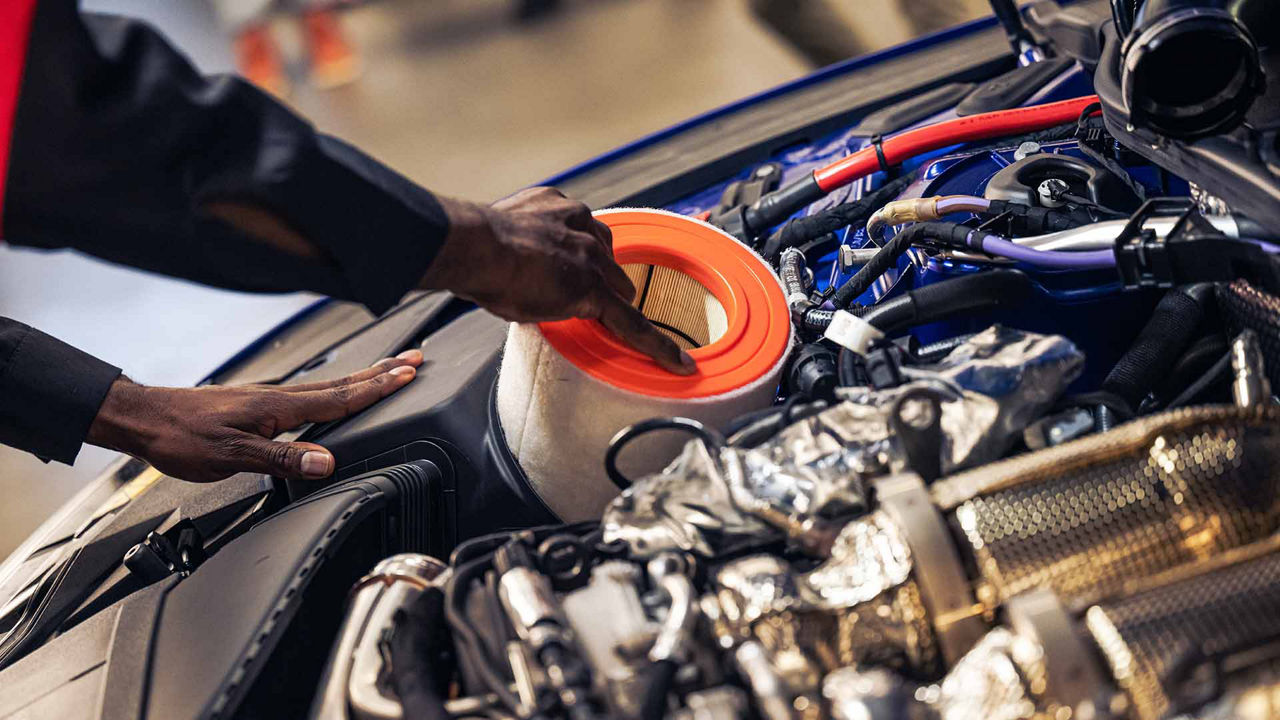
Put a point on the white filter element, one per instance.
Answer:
(558, 422)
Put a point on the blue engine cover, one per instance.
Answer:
(1089, 307)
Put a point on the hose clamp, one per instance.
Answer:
(944, 587)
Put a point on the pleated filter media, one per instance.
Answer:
(566, 388)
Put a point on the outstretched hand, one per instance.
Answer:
(539, 256)
(208, 433)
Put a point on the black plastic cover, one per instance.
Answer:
(1072, 30)
(1019, 182)
(449, 406)
(220, 626)
(1012, 88)
(97, 550)
(95, 670)
(903, 114)
(1233, 166)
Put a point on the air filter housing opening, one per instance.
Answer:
(678, 305)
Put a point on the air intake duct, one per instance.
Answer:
(1189, 68)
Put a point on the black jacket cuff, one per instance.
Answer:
(50, 392)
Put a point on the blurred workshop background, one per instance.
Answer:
(473, 98)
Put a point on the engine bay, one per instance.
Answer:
(1021, 462)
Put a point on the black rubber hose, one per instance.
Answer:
(755, 428)
(1122, 13)
(662, 676)
(472, 653)
(418, 643)
(934, 352)
(888, 255)
(1195, 362)
(801, 230)
(774, 207)
(1217, 373)
(816, 319)
(940, 300)
(1166, 336)
(708, 435)
(791, 270)
(847, 368)
(936, 302)
(1028, 220)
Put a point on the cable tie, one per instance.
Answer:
(877, 141)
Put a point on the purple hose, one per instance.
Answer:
(962, 203)
(1090, 260)
(1266, 246)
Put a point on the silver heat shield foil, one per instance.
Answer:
(860, 605)
(815, 470)
(990, 681)
(868, 557)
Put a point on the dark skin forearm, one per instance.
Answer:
(209, 433)
(539, 256)
(535, 256)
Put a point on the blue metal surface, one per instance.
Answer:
(1089, 307)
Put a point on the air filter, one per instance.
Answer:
(565, 388)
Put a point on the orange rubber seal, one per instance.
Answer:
(759, 325)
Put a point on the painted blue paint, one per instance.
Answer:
(1088, 307)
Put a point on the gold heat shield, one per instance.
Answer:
(1163, 643)
(1086, 517)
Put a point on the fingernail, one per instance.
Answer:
(687, 363)
(410, 355)
(403, 370)
(317, 464)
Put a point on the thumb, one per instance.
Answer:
(290, 460)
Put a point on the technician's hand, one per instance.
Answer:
(539, 256)
(208, 433)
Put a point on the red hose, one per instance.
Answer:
(964, 129)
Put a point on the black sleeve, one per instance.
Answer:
(118, 143)
(49, 392)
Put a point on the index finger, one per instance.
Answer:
(634, 329)
(343, 400)
(603, 233)
(411, 358)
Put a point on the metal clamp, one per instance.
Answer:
(944, 587)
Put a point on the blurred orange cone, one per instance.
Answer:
(333, 61)
(259, 60)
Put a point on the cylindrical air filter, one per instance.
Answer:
(565, 388)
